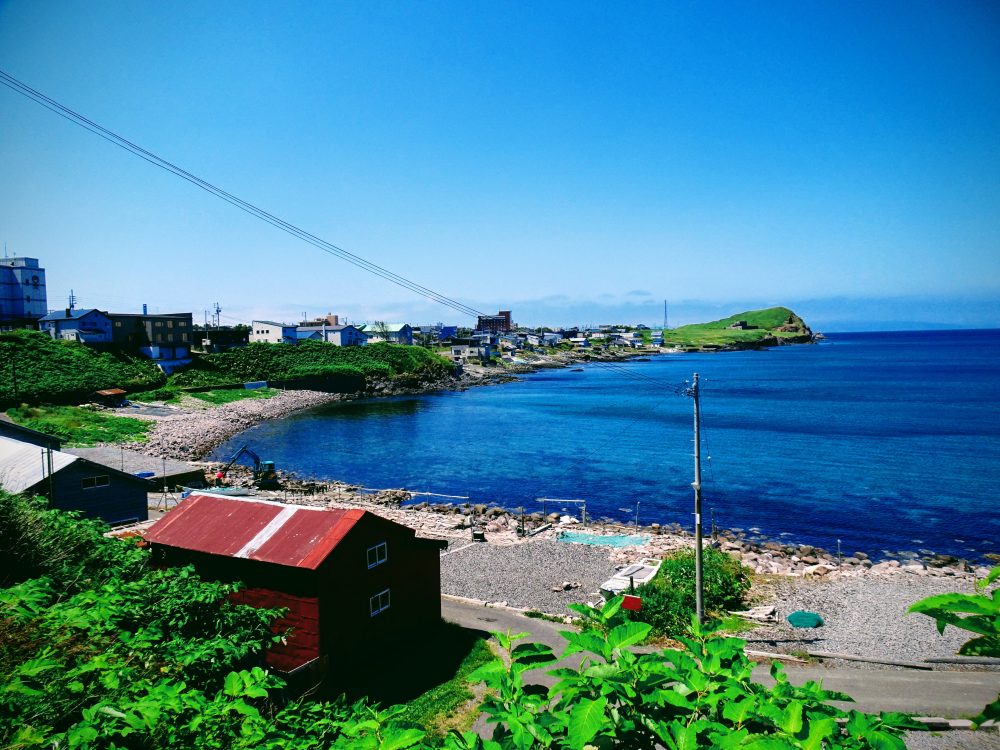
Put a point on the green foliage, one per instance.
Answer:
(35, 368)
(669, 600)
(977, 613)
(699, 697)
(229, 395)
(261, 361)
(158, 394)
(99, 650)
(80, 426)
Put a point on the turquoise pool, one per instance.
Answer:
(608, 540)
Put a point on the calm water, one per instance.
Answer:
(886, 441)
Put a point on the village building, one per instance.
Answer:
(269, 332)
(348, 578)
(396, 333)
(338, 335)
(86, 326)
(70, 482)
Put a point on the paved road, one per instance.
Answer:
(938, 693)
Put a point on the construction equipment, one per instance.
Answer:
(265, 475)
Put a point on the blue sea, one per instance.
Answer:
(886, 442)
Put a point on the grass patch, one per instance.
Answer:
(536, 615)
(160, 394)
(439, 709)
(229, 395)
(80, 427)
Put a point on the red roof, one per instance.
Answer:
(293, 535)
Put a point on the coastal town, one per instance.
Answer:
(499, 376)
(530, 564)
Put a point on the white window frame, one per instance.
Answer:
(381, 546)
(378, 603)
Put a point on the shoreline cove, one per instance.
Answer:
(193, 433)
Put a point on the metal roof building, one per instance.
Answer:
(71, 482)
(348, 578)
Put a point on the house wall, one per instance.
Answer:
(122, 499)
(270, 333)
(157, 336)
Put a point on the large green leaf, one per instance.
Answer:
(585, 721)
(628, 634)
(396, 739)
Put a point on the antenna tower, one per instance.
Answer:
(217, 316)
(72, 300)
(665, 326)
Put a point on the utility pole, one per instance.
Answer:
(698, 570)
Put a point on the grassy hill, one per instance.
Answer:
(34, 368)
(311, 359)
(770, 326)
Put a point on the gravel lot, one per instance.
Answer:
(864, 616)
(960, 740)
(523, 574)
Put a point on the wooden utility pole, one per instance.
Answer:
(698, 570)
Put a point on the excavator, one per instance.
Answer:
(265, 476)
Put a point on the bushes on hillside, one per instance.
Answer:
(310, 359)
(35, 368)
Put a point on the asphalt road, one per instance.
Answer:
(923, 693)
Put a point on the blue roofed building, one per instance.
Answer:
(87, 326)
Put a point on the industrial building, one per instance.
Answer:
(23, 299)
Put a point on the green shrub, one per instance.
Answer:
(311, 359)
(35, 368)
(669, 600)
(160, 394)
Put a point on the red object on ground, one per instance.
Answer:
(631, 603)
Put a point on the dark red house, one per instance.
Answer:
(349, 578)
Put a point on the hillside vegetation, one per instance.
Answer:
(311, 359)
(770, 326)
(35, 368)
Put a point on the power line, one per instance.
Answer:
(327, 247)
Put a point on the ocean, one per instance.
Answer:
(887, 442)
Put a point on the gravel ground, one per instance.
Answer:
(957, 740)
(864, 616)
(523, 574)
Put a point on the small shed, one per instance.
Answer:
(349, 578)
(71, 482)
(110, 396)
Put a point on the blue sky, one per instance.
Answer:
(574, 162)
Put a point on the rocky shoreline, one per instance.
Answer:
(194, 430)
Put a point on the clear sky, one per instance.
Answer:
(574, 162)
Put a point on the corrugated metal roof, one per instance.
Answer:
(293, 535)
(21, 465)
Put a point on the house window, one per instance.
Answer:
(170, 324)
(377, 555)
(89, 483)
(379, 603)
(118, 324)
